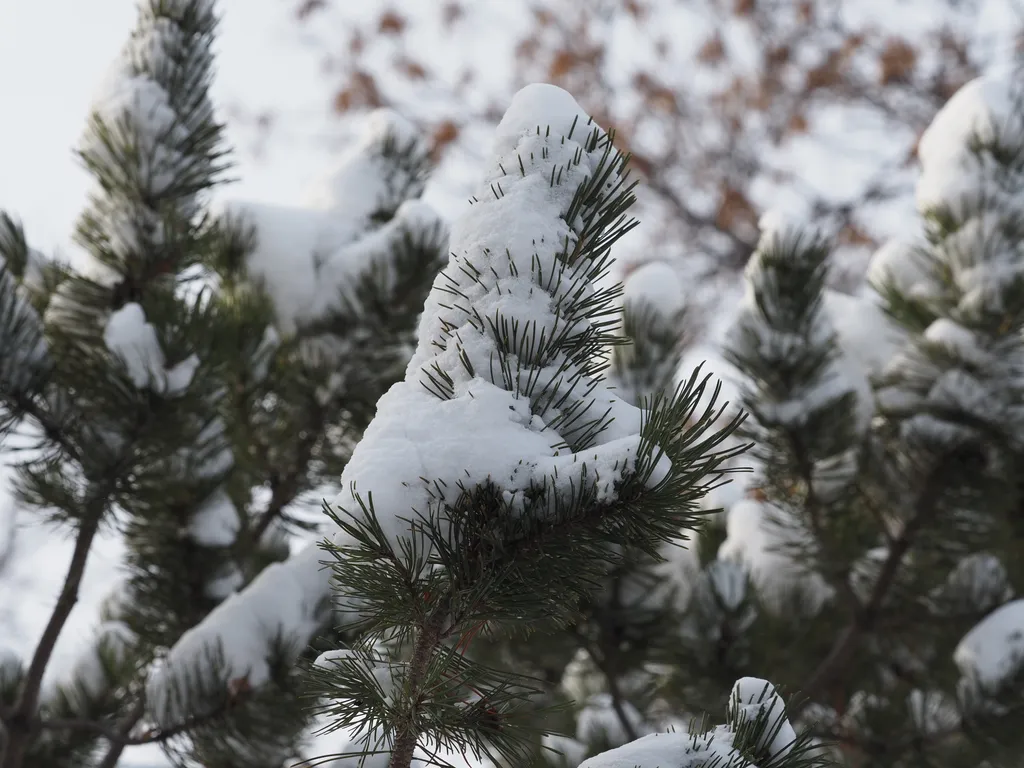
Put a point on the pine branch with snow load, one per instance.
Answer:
(498, 481)
(874, 562)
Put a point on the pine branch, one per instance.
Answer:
(407, 726)
(867, 615)
(613, 686)
(20, 721)
(120, 736)
(117, 745)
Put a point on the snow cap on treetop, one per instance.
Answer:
(986, 110)
(654, 285)
(561, 114)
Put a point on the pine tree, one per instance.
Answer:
(168, 388)
(872, 567)
(498, 485)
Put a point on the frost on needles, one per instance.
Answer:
(498, 481)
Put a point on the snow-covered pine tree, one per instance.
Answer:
(173, 386)
(872, 566)
(497, 484)
(595, 667)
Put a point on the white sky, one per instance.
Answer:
(54, 53)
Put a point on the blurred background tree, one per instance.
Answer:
(728, 107)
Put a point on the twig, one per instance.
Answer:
(613, 685)
(117, 745)
(20, 719)
(120, 735)
(427, 639)
(867, 615)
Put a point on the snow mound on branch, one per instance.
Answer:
(284, 602)
(993, 651)
(905, 267)
(505, 264)
(134, 342)
(985, 111)
(780, 227)
(753, 698)
(360, 180)
(655, 285)
(750, 699)
(310, 259)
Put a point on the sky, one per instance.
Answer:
(49, 72)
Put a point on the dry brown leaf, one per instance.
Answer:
(410, 68)
(825, 75)
(734, 210)
(713, 50)
(443, 134)
(563, 62)
(797, 123)
(361, 91)
(527, 48)
(851, 234)
(543, 17)
(635, 9)
(391, 23)
(897, 61)
(356, 43)
(744, 7)
(777, 56)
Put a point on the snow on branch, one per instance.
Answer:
(757, 733)
(503, 391)
(960, 152)
(311, 259)
(152, 141)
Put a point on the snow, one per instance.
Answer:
(979, 582)
(362, 179)
(985, 110)
(655, 285)
(905, 266)
(752, 698)
(370, 666)
(960, 341)
(134, 342)
(226, 582)
(933, 712)
(993, 651)
(780, 227)
(310, 258)
(138, 103)
(216, 521)
(502, 247)
(285, 601)
(749, 697)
